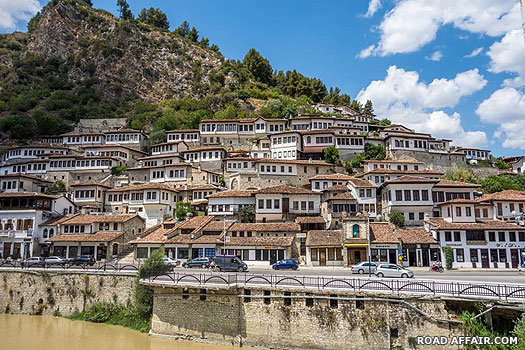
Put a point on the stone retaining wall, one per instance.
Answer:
(60, 293)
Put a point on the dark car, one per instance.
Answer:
(33, 262)
(229, 263)
(82, 260)
(197, 262)
(285, 264)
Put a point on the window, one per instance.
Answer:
(410, 216)
(458, 211)
(415, 195)
(399, 195)
(457, 236)
(492, 236)
(459, 255)
(475, 235)
(303, 205)
(407, 195)
(261, 204)
(512, 236)
(501, 236)
(310, 205)
(276, 204)
(448, 236)
(268, 204)
(424, 195)
(468, 211)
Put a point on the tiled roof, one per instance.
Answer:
(260, 241)
(382, 232)
(266, 227)
(87, 219)
(180, 239)
(27, 194)
(123, 130)
(201, 187)
(32, 177)
(148, 186)
(361, 183)
(90, 183)
(442, 224)
(342, 196)
(155, 234)
(206, 239)
(102, 236)
(324, 238)
(194, 223)
(416, 235)
(396, 171)
(394, 161)
(204, 148)
(310, 220)
(231, 194)
(217, 225)
(336, 188)
(451, 183)
(55, 221)
(507, 195)
(411, 179)
(286, 189)
(337, 176)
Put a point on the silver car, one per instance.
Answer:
(55, 260)
(364, 267)
(391, 270)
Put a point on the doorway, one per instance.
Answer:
(514, 258)
(425, 257)
(484, 258)
(322, 257)
(273, 256)
(412, 257)
(357, 256)
(392, 256)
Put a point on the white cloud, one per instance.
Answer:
(474, 52)
(373, 6)
(508, 55)
(13, 11)
(506, 108)
(414, 23)
(404, 99)
(436, 56)
(366, 52)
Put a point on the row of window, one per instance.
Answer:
(85, 194)
(285, 154)
(183, 136)
(409, 195)
(21, 224)
(406, 144)
(455, 236)
(276, 204)
(8, 185)
(76, 139)
(119, 154)
(122, 137)
(349, 141)
(283, 140)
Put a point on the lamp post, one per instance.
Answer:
(369, 245)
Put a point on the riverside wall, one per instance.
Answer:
(284, 319)
(61, 292)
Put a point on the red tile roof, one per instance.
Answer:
(310, 220)
(286, 189)
(337, 176)
(102, 236)
(90, 183)
(382, 232)
(507, 195)
(407, 179)
(266, 227)
(324, 238)
(231, 194)
(442, 224)
(451, 183)
(260, 241)
(361, 183)
(87, 219)
(416, 235)
(148, 186)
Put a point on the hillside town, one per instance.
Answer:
(260, 189)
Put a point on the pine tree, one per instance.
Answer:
(125, 12)
(258, 66)
(154, 17)
(368, 107)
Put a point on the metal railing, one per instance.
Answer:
(459, 289)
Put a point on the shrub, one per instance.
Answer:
(397, 218)
(449, 257)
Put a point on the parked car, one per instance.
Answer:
(82, 260)
(391, 270)
(34, 261)
(55, 260)
(229, 263)
(171, 262)
(285, 264)
(364, 267)
(197, 262)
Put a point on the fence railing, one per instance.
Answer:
(459, 289)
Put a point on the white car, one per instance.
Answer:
(364, 267)
(171, 262)
(55, 260)
(392, 270)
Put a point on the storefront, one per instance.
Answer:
(385, 253)
(356, 253)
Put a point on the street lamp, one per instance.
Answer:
(369, 245)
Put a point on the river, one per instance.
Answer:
(57, 333)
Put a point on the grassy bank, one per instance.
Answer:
(114, 314)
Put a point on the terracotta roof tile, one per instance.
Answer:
(155, 234)
(442, 224)
(231, 194)
(361, 183)
(459, 201)
(310, 220)
(507, 195)
(347, 196)
(396, 171)
(411, 179)
(90, 183)
(217, 226)
(26, 176)
(102, 236)
(293, 161)
(286, 189)
(27, 194)
(336, 188)
(451, 183)
(337, 176)
(194, 223)
(260, 241)
(87, 219)
(416, 235)
(382, 232)
(324, 238)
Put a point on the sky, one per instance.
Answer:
(452, 68)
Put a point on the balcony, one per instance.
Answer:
(16, 233)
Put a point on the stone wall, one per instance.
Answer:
(63, 293)
(225, 317)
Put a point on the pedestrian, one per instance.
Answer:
(115, 262)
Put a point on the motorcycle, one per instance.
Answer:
(437, 268)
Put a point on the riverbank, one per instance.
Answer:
(59, 333)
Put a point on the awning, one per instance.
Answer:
(356, 245)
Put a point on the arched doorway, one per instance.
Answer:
(234, 184)
(114, 249)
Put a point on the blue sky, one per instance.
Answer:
(415, 69)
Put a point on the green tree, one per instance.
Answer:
(461, 174)
(501, 164)
(498, 183)
(183, 30)
(123, 9)
(449, 257)
(193, 35)
(331, 155)
(397, 218)
(357, 161)
(56, 187)
(182, 209)
(374, 152)
(143, 295)
(247, 214)
(154, 17)
(259, 66)
(348, 167)
(368, 108)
